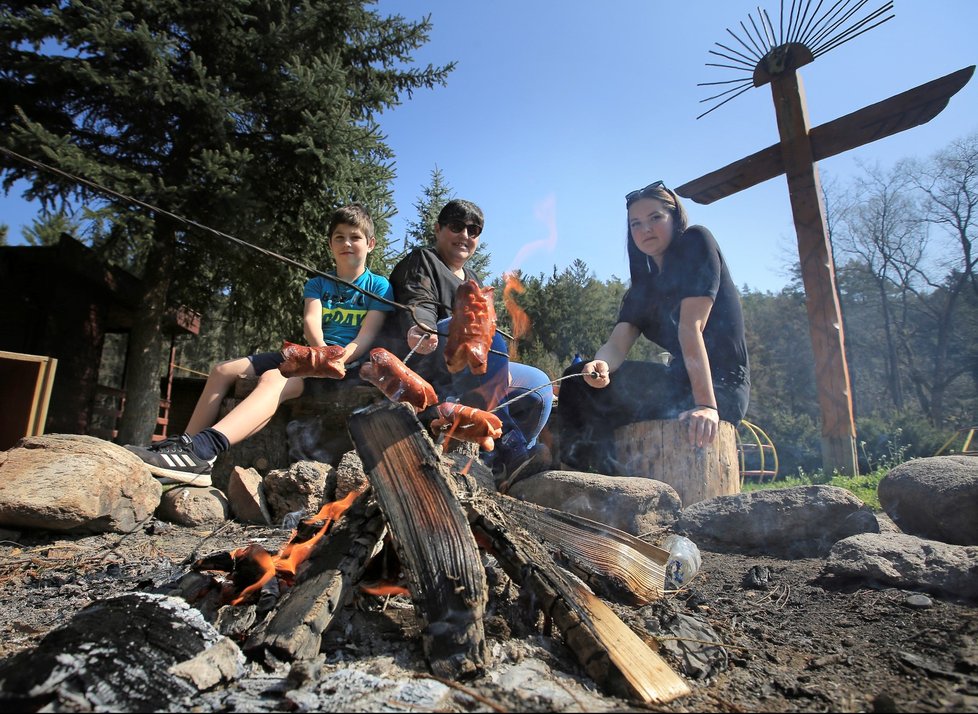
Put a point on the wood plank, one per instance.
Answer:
(898, 113)
(612, 562)
(608, 650)
(431, 535)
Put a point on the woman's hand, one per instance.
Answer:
(600, 368)
(424, 341)
(704, 423)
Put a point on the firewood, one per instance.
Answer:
(324, 584)
(431, 536)
(611, 653)
(611, 561)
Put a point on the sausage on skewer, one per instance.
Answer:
(397, 381)
(473, 325)
(303, 361)
(470, 424)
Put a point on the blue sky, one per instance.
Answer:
(557, 109)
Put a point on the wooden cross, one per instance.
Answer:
(795, 156)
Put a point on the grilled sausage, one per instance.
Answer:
(470, 424)
(472, 328)
(396, 380)
(303, 361)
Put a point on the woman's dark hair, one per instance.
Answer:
(639, 264)
(459, 209)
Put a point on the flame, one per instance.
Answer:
(382, 589)
(285, 563)
(254, 553)
(521, 321)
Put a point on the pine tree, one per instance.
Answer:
(254, 116)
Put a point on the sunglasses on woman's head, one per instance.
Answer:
(632, 195)
(457, 227)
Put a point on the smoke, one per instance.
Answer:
(546, 212)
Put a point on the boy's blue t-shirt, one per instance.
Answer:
(343, 307)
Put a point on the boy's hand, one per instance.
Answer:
(421, 341)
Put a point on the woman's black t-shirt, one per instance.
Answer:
(692, 267)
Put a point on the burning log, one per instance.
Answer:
(324, 584)
(431, 536)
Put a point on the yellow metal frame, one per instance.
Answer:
(969, 436)
(764, 446)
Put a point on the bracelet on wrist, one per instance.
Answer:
(706, 406)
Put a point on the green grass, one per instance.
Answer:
(862, 487)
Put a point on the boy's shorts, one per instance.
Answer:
(264, 361)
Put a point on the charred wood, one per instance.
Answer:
(431, 536)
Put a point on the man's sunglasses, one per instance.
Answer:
(457, 227)
(632, 195)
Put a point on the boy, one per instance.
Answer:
(334, 314)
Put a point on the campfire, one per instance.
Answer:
(441, 517)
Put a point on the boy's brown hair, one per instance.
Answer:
(353, 214)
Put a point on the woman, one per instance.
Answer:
(683, 299)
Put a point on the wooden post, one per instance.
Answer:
(818, 275)
(660, 450)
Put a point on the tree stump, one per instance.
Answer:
(659, 449)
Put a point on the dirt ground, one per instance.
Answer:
(794, 641)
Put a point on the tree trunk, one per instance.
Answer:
(146, 342)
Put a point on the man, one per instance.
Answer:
(427, 279)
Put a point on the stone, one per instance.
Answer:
(350, 476)
(301, 487)
(193, 506)
(907, 562)
(799, 522)
(75, 483)
(934, 498)
(247, 497)
(634, 505)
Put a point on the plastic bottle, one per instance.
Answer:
(684, 561)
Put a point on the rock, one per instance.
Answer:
(350, 476)
(908, 562)
(634, 505)
(919, 602)
(934, 498)
(799, 522)
(193, 506)
(69, 482)
(117, 655)
(301, 487)
(247, 497)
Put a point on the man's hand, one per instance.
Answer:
(421, 341)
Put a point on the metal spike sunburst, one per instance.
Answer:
(765, 55)
(765, 51)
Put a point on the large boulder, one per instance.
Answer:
(935, 498)
(799, 522)
(634, 505)
(74, 483)
(907, 562)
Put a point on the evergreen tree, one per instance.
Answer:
(254, 116)
(47, 228)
